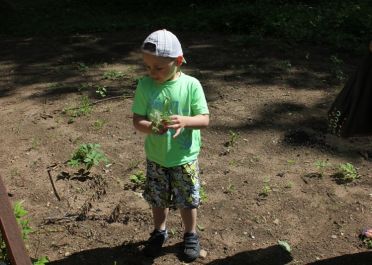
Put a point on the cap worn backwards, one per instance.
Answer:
(162, 43)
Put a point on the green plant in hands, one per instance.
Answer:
(159, 119)
(88, 155)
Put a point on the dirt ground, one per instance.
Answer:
(268, 102)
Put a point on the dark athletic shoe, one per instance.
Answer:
(191, 246)
(155, 243)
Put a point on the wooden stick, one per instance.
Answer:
(53, 186)
(10, 230)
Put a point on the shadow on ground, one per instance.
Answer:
(273, 255)
(362, 258)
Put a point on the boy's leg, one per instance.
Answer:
(160, 217)
(185, 185)
(189, 216)
(157, 194)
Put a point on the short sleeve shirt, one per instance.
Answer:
(185, 97)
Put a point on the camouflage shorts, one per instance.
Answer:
(172, 187)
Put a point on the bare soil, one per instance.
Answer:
(268, 103)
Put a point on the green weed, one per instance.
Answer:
(348, 173)
(88, 155)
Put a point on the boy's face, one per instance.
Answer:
(160, 69)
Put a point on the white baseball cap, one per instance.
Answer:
(163, 43)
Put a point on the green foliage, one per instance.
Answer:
(138, 178)
(88, 155)
(348, 172)
(342, 24)
(19, 214)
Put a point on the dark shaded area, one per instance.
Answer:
(363, 258)
(273, 255)
(128, 253)
(342, 24)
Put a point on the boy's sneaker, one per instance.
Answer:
(191, 246)
(155, 243)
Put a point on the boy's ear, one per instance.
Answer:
(179, 60)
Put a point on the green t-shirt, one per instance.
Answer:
(186, 98)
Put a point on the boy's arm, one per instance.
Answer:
(193, 122)
(142, 124)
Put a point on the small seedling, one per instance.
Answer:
(113, 75)
(233, 138)
(321, 165)
(266, 189)
(101, 91)
(138, 178)
(88, 155)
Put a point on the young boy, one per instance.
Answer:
(170, 107)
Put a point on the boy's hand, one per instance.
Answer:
(177, 123)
